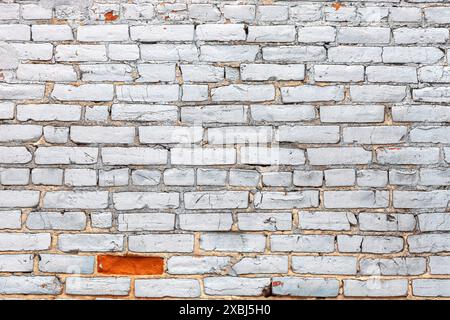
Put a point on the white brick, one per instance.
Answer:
(271, 34)
(338, 73)
(74, 53)
(157, 33)
(220, 32)
(202, 156)
(161, 243)
(93, 33)
(24, 241)
(272, 72)
(47, 32)
(159, 288)
(311, 93)
(98, 286)
(85, 92)
(145, 200)
(147, 93)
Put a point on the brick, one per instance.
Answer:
(66, 155)
(340, 177)
(159, 288)
(76, 199)
(234, 286)
(282, 113)
(393, 267)
(98, 286)
(294, 53)
(162, 33)
(318, 220)
(210, 222)
(56, 221)
(30, 285)
(169, 52)
(420, 199)
(374, 135)
(239, 13)
(147, 93)
(141, 112)
(356, 199)
(223, 53)
(220, 32)
(10, 220)
(434, 222)
(216, 200)
(419, 35)
(407, 155)
(90, 242)
(93, 33)
(196, 265)
(302, 243)
(437, 15)
(343, 155)
(16, 263)
(338, 73)
(130, 265)
(376, 288)
(47, 32)
(86, 92)
(146, 222)
(133, 156)
(309, 93)
(305, 287)
(243, 92)
(308, 134)
(272, 72)
(97, 134)
(350, 54)
(316, 34)
(232, 242)
(272, 13)
(21, 92)
(161, 243)
(202, 156)
(106, 72)
(386, 222)
(145, 200)
(272, 156)
(271, 34)
(431, 287)
(264, 221)
(24, 241)
(439, 265)
(363, 35)
(59, 263)
(370, 244)
(262, 264)
(324, 265)
(426, 55)
(289, 200)
(19, 198)
(48, 112)
(15, 32)
(89, 53)
(420, 113)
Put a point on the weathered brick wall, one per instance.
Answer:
(224, 148)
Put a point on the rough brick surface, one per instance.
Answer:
(238, 148)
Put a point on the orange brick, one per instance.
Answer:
(130, 265)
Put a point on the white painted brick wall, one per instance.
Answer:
(233, 142)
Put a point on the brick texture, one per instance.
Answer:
(204, 149)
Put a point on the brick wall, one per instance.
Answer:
(210, 148)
